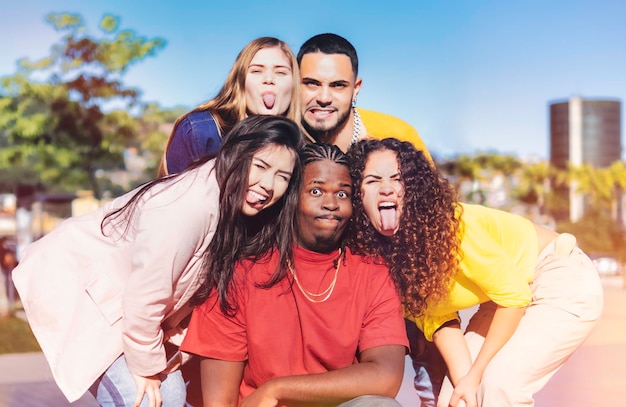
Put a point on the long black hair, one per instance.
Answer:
(238, 236)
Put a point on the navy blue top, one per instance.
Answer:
(196, 136)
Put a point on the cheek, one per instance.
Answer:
(347, 208)
(286, 85)
(252, 177)
(367, 201)
(280, 190)
(306, 93)
(250, 87)
(344, 96)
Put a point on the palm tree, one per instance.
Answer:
(534, 184)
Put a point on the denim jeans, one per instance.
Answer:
(424, 387)
(428, 364)
(116, 387)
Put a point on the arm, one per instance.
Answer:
(453, 348)
(466, 377)
(220, 382)
(163, 247)
(379, 372)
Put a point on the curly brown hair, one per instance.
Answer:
(424, 254)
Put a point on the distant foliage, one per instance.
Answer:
(66, 116)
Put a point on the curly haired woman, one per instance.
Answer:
(539, 294)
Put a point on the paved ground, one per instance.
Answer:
(594, 376)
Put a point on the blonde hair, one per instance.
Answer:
(228, 107)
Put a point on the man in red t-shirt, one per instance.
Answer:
(330, 332)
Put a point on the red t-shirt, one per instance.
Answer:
(281, 333)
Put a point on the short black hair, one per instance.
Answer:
(330, 44)
(313, 152)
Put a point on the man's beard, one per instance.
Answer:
(325, 244)
(329, 135)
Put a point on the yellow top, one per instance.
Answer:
(380, 126)
(498, 259)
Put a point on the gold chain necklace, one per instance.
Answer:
(314, 297)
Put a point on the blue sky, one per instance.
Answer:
(468, 75)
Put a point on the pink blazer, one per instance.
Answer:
(90, 297)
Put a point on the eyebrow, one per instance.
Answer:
(320, 182)
(276, 66)
(269, 165)
(396, 175)
(307, 79)
(337, 82)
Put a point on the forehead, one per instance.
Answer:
(331, 67)
(274, 154)
(326, 172)
(270, 55)
(381, 161)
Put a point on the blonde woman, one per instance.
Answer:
(264, 80)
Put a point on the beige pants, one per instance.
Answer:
(567, 302)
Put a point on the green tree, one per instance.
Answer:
(534, 184)
(463, 170)
(66, 116)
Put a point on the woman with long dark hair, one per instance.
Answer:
(107, 293)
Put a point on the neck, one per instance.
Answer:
(320, 247)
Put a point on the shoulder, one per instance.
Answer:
(374, 117)
(380, 125)
(256, 271)
(475, 215)
(199, 116)
(198, 121)
(366, 265)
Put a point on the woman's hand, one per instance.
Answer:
(151, 387)
(464, 393)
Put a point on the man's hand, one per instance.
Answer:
(261, 397)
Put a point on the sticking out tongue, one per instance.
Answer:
(388, 218)
(253, 198)
(268, 100)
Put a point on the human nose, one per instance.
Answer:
(330, 202)
(324, 97)
(266, 181)
(268, 76)
(386, 188)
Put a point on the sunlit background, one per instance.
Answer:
(469, 75)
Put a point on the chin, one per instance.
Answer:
(387, 233)
(250, 211)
